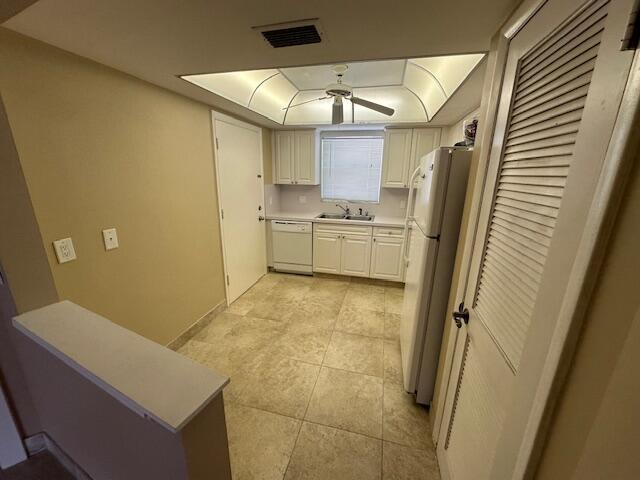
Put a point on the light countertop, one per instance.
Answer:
(148, 378)
(378, 221)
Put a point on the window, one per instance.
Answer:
(351, 165)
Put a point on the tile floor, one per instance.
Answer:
(315, 382)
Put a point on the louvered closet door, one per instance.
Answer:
(562, 87)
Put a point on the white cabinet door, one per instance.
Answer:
(356, 255)
(386, 258)
(305, 157)
(284, 156)
(423, 141)
(396, 158)
(326, 252)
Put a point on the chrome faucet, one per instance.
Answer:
(347, 210)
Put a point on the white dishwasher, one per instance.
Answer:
(292, 246)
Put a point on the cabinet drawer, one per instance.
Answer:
(388, 231)
(341, 228)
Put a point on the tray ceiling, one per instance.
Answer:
(415, 88)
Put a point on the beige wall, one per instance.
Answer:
(596, 427)
(102, 149)
(267, 154)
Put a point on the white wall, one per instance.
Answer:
(453, 133)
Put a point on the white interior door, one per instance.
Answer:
(241, 194)
(563, 84)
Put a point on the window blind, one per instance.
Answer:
(351, 167)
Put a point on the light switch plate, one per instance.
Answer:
(403, 203)
(110, 237)
(302, 199)
(64, 250)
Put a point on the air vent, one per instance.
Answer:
(290, 34)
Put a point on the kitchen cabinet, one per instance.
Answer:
(423, 141)
(396, 157)
(403, 148)
(358, 251)
(327, 252)
(342, 249)
(386, 258)
(295, 156)
(355, 255)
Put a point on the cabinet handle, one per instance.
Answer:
(374, 239)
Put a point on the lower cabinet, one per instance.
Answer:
(386, 258)
(327, 252)
(356, 255)
(358, 251)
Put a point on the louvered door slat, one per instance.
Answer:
(529, 198)
(586, 54)
(552, 83)
(502, 262)
(515, 258)
(553, 161)
(515, 170)
(578, 41)
(546, 191)
(553, 90)
(543, 142)
(559, 99)
(532, 230)
(593, 13)
(552, 131)
(524, 205)
(551, 113)
(502, 205)
(555, 81)
(530, 248)
(508, 239)
(506, 279)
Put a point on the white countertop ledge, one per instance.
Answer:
(378, 220)
(153, 381)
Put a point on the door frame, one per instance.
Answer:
(621, 151)
(214, 141)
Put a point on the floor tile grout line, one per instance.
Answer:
(313, 422)
(304, 416)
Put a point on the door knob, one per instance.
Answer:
(462, 315)
(261, 218)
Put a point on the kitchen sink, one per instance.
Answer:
(342, 216)
(363, 218)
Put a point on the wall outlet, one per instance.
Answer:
(403, 203)
(64, 250)
(110, 237)
(302, 199)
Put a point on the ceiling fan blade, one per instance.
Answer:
(307, 101)
(373, 106)
(337, 112)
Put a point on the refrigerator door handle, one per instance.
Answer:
(409, 216)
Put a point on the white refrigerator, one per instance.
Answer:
(433, 220)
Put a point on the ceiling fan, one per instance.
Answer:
(339, 91)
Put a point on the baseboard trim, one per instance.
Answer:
(41, 441)
(197, 326)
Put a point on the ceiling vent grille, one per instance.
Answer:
(290, 34)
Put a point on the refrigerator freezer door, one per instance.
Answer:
(418, 285)
(431, 191)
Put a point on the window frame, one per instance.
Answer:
(350, 134)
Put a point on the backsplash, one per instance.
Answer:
(306, 198)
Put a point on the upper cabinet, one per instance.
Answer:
(396, 157)
(295, 157)
(403, 148)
